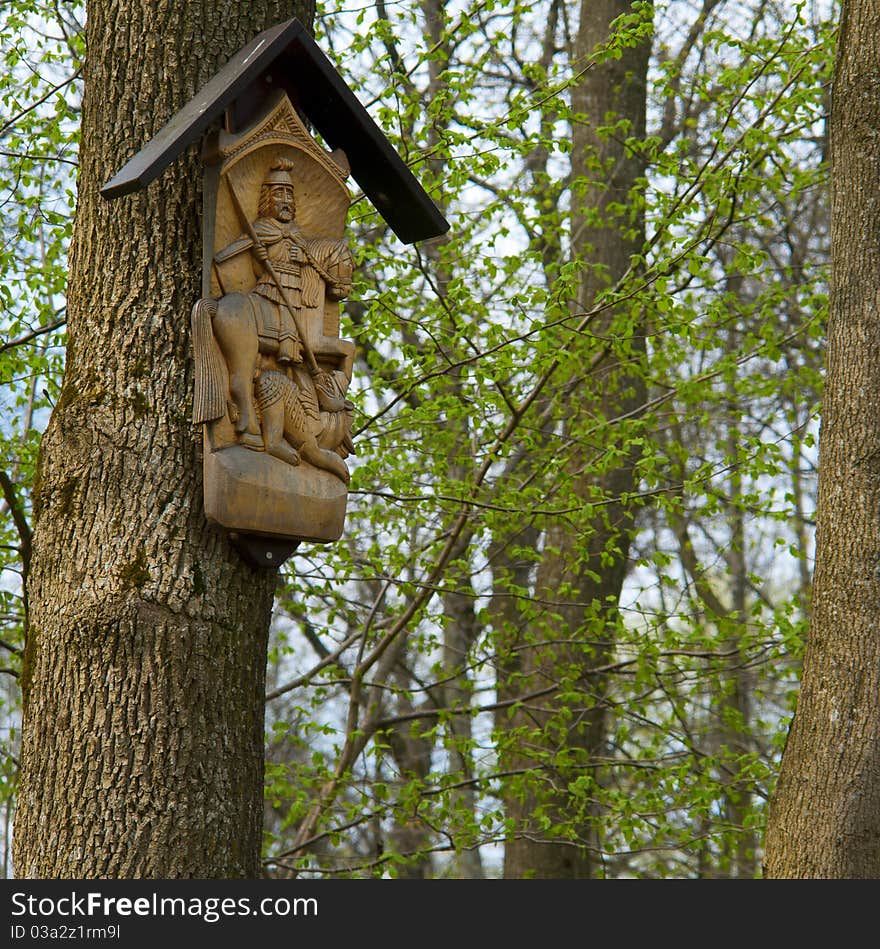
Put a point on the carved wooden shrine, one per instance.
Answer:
(271, 371)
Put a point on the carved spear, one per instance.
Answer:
(245, 220)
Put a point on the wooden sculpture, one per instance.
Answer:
(271, 373)
(271, 370)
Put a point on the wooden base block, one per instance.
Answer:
(252, 493)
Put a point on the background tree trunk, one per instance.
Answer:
(582, 571)
(824, 821)
(143, 680)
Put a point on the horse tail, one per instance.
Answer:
(211, 384)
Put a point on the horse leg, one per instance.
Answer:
(236, 334)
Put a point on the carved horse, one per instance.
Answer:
(248, 325)
(235, 325)
(294, 419)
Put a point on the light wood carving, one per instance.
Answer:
(271, 373)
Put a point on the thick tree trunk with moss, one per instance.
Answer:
(583, 567)
(143, 679)
(824, 821)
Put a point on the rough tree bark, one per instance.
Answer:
(605, 244)
(824, 819)
(143, 679)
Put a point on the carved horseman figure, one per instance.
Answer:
(281, 241)
(246, 330)
(293, 274)
(271, 371)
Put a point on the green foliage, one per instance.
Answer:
(471, 354)
(40, 54)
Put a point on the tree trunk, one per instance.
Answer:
(824, 820)
(585, 567)
(143, 681)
